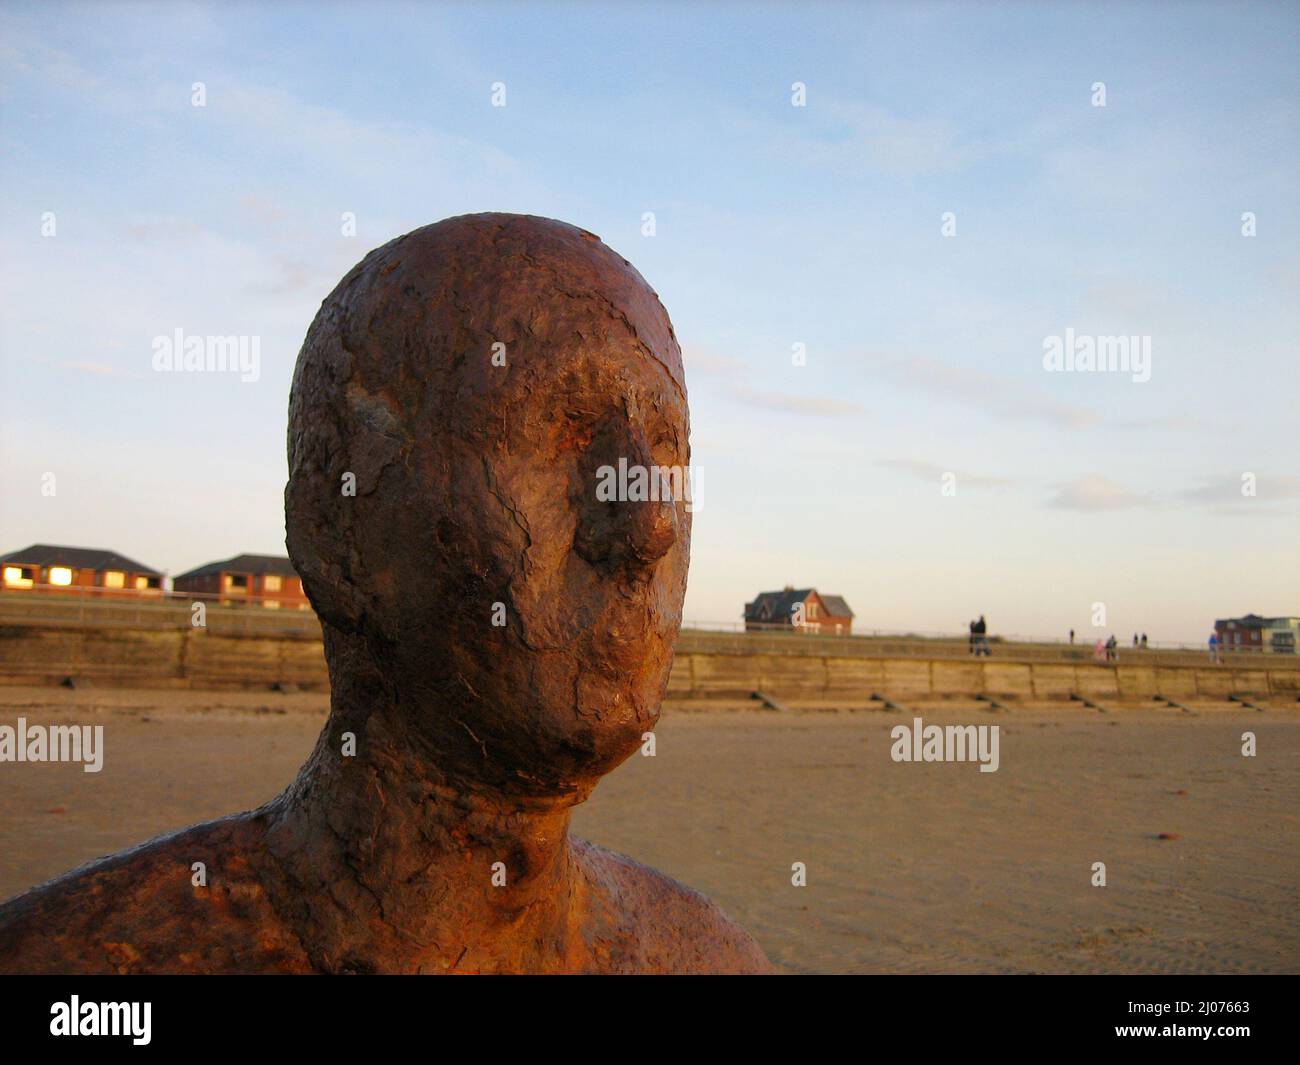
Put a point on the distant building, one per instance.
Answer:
(802, 608)
(1255, 633)
(262, 580)
(57, 569)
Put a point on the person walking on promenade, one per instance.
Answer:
(1072, 636)
(1214, 646)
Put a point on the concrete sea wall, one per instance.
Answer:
(708, 666)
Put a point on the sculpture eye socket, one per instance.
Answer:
(627, 517)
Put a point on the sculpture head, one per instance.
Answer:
(452, 408)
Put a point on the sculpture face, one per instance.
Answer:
(478, 493)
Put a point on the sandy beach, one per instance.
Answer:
(911, 867)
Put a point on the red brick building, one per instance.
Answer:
(55, 569)
(804, 609)
(1256, 633)
(259, 580)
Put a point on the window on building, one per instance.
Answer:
(237, 580)
(19, 576)
(272, 604)
(114, 579)
(812, 610)
(148, 582)
(61, 575)
(270, 583)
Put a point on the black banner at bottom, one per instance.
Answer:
(230, 1014)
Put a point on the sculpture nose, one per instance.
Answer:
(648, 517)
(631, 521)
(651, 528)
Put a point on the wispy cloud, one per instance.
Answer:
(290, 276)
(1220, 494)
(785, 403)
(933, 471)
(1179, 423)
(857, 137)
(169, 231)
(1003, 397)
(716, 365)
(98, 369)
(707, 362)
(1094, 492)
(101, 369)
(1239, 489)
(996, 396)
(319, 131)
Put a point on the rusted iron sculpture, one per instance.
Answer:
(498, 638)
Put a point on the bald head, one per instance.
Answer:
(453, 406)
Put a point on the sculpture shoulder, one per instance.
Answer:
(643, 921)
(139, 911)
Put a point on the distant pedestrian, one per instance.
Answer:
(1112, 649)
(1144, 641)
(972, 639)
(1135, 639)
(1072, 636)
(1214, 646)
(1099, 650)
(981, 637)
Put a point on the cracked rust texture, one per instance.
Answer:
(475, 485)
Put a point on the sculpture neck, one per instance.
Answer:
(394, 865)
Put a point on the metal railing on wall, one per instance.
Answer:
(776, 638)
(249, 615)
(73, 607)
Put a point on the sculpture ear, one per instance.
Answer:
(627, 519)
(330, 481)
(328, 584)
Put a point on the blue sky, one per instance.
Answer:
(774, 225)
